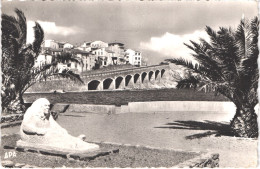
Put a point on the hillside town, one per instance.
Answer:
(89, 55)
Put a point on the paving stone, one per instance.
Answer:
(33, 166)
(53, 153)
(9, 147)
(27, 166)
(20, 149)
(7, 163)
(19, 165)
(92, 155)
(115, 151)
(32, 150)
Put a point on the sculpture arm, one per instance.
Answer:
(29, 126)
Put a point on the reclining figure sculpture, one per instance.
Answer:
(40, 130)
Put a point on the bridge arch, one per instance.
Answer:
(150, 75)
(119, 81)
(162, 72)
(144, 74)
(93, 85)
(128, 79)
(107, 83)
(136, 77)
(156, 74)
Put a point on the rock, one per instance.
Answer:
(7, 163)
(8, 118)
(33, 166)
(2, 119)
(215, 156)
(27, 166)
(19, 165)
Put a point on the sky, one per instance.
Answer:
(156, 28)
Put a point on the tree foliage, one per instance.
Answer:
(18, 61)
(227, 65)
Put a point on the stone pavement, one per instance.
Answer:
(190, 131)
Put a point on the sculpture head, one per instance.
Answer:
(43, 105)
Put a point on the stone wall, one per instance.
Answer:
(123, 97)
(166, 106)
(11, 120)
(91, 108)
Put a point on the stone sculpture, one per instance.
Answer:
(40, 130)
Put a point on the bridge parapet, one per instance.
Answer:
(129, 70)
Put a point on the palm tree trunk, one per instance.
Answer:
(244, 123)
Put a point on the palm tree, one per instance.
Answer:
(18, 62)
(228, 65)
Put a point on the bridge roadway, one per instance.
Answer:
(138, 77)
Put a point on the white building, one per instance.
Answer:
(100, 55)
(118, 49)
(84, 48)
(98, 44)
(133, 57)
(43, 59)
(68, 45)
(50, 44)
(110, 56)
(91, 61)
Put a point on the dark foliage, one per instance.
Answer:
(18, 62)
(227, 65)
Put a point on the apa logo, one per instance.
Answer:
(10, 154)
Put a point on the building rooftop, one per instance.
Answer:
(52, 49)
(116, 43)
(109, 51)
(77, 51)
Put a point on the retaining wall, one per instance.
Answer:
(155, 106)
(166, 106)
(91, 108)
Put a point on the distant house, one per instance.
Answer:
(98, 44)
(43, 59)
(51, 51)
(110, 56)
(100, 55)
(133, 57)
(87, 48)
(81, 56)
(91, 61)
(61, 44)
(118, 49)
(50, 44)
(68, 45)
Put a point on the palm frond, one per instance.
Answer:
(189, 82)
(9, 26)
(21, 19)
(196, 68)
(204, 56)
(70, 75)
(38, 40)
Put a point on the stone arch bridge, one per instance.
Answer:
(139, 77)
